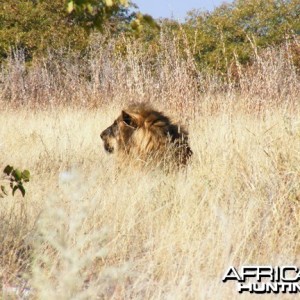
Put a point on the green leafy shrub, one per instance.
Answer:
(16, 179)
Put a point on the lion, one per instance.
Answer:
(146, 135)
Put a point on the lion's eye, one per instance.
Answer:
(130, 124)
(127, 121)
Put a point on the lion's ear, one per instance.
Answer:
(129, 119)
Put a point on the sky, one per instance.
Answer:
(174, 8)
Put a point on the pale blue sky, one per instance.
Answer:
(174, 8)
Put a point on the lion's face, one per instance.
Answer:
(109, 137)
(119, 133)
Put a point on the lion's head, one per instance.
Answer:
(143, 133)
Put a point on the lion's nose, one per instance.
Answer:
(105, 133)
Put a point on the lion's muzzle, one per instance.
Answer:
(108, 148)
(107, 138)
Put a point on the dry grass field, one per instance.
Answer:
(86, 230)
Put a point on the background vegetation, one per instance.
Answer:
(231, 32)
(219, 39)
(85, 229)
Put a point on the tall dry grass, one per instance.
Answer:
(87, 230)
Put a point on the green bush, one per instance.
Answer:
(16, 179)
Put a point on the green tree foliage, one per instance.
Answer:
(35, 26)
(230, 33)
(115, 15)
(234, 31)
(92, 14)
(38, 25)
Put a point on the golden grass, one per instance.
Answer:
(86, 229)
(147, 235)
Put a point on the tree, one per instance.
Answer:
(233, 30)
(35, 26)
(94, 13)
(38, 25)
